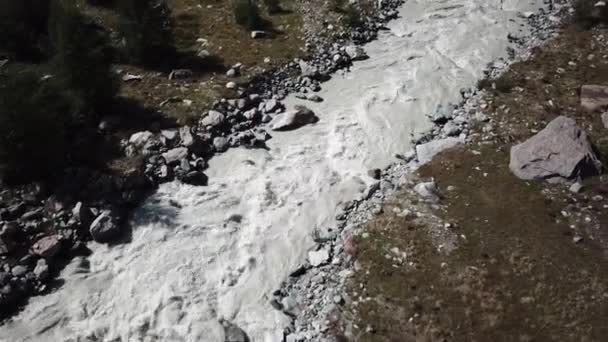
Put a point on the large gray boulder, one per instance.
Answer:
(105, 227)
(293, 119)
(560, 151)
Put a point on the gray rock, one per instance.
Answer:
(576, 187)
(308, 70)
(195, 178)
(82, 213)
(451, 129)
(175, 155)
(428, 190)
(561, 150)
(232, 333)
(19, 270)
(231, 85)
(9, 229)
(271, 106)
(105, 227)
(140, 139)
(231, 73)
(318, 258)
(356, 53)
(180, 74)
(293, 119)
(315, 98)
(427, 151)
(375, 173)
(258, 34)
(186, 136)
(41, 271)
(220, 144)
(594, 97)
(47, 247)
(169, 136)
(213, 119)
(442, 114)
(605, 119)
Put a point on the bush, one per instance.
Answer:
(82, 58)
(23, 26)
(273, 6)
(33, 119)
(146, 27)
(587, 15)
(352, 16)
(247, 14)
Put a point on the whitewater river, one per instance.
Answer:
(232, 243)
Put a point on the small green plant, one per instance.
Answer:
(273, 6)
(147, 29)
(247, 14)
(34, 115)
(352, 16)
(82, 57)
(587, 14)
(23, 27)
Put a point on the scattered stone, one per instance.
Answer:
(221, 144)
(41, 271)
(559, 150)
(427, 151)
(213, 119)
(318, 258)
(594, 97)
(47, 247)
(428, 190)
(19, 271)
(293, 119)
(258, 34)
(576, 187)
(180, 74)
(130, 77)
(175, 155)
(140, 139)
(356, 53)
(375, 173)
(231, 73)
(105, 227)
(231, 85)
(314, 98)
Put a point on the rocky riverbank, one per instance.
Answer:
(326, 296)
(42, 228)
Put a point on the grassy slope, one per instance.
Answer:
(517, 276)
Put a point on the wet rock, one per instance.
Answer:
(271, 106)
(32, 214)
(41, 271)
(442, 114)
(6, 246)
(19, 270)
(293, 119)
(428, 190)
(318, 258)
(105, 227)
(140, 139)
(594, 97)
(180, 74)
(221, 144)
(308, 70)
(47, 247)
(175, 155)
(82, 214)
(356, 53)
(9, 229)
(375, 173)
(169, 136)
(195, 178)
(427, 151)
(213, 119)
(16, 210)
(560, 150)
(232, 333)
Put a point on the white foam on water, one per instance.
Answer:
(230, 245)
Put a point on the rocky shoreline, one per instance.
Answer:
(314, 294)
(42, 229)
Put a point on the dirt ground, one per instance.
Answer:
(530, 262)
